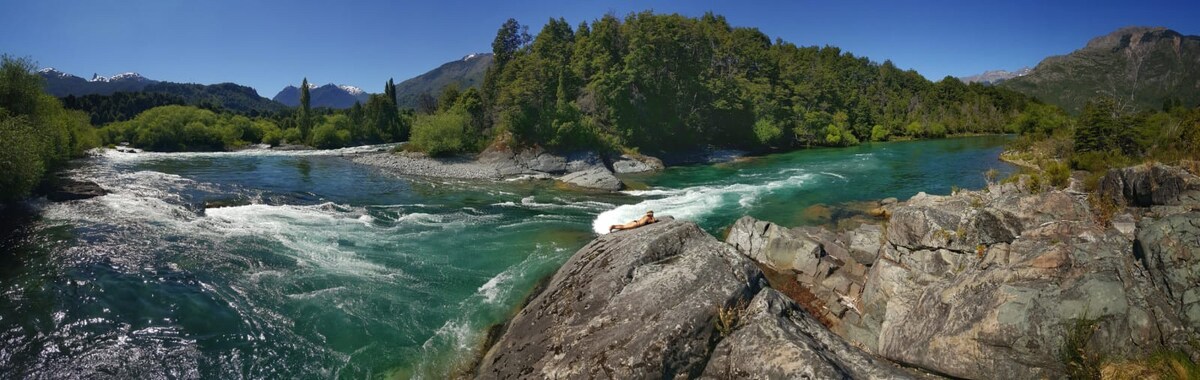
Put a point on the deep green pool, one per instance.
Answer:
(330, 269)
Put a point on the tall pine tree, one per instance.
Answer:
(305, 119)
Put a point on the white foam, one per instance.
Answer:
(692, 203)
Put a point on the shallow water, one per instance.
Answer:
(323, 268)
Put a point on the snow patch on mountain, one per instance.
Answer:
(351, 89)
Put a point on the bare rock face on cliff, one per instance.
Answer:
(668, 301)
(985, 284)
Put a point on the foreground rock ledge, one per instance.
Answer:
(643, 304)
(985, 284)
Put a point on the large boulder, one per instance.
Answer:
(635, 304)
(629, 163)
(1169, 248)
(67, 189)
(597, 178)
(777, 247)
(1149, 185)
(775, 339)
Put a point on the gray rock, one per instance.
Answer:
(583, 161)
(67, 189)
(1148, 185)
(984, 284)
(779, 248)
(1170, 250)
(628, 164)
(775, 339)
(595, 178)
(635, 304)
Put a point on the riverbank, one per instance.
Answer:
(976, 284)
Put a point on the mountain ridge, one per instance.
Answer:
(1142, 67)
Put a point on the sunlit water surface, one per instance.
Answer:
(321, 268)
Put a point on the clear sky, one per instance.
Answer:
(270, 44)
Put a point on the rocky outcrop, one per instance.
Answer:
(66, 189)
(629, 163)
(631, 304)
(596, 178)
(582, 169)
(984, 284)
(775, 339)
(1148, 185)
(1170, 249)
(648, 303)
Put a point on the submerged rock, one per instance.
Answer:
(632, 304)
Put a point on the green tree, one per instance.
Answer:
(305, 116)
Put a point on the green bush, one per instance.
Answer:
(327, 136)
(293, 136)
(20, 158)
(37, 135)
(914, 129)
(880, 133)
(767, 131)
(440, 134)
(1058, 174)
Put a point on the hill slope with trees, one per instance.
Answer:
(1139, 68)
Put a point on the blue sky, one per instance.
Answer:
(270, 44)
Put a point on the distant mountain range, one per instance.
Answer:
(466, 72)
(1140, 66)
(995, 76)
(330, 95)
(229, 96)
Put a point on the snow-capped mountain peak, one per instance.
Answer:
(471, 56)
(98, 78)
(54, 72)
(351, 89)
(127, 76)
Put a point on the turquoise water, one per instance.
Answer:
(323, 268)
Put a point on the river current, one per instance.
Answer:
(317, 267)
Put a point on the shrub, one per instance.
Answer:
(20, 158)
(293, 136)
(1080, 362)
(880, 133)
(327, 136)
(440, 134)
(767, 131)
(1058, 174)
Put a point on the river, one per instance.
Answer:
(321, 268)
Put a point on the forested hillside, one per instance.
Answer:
(668, 82)
(1139, 68)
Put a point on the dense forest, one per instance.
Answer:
(175, 127)
(654, 83)
(37, 135)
